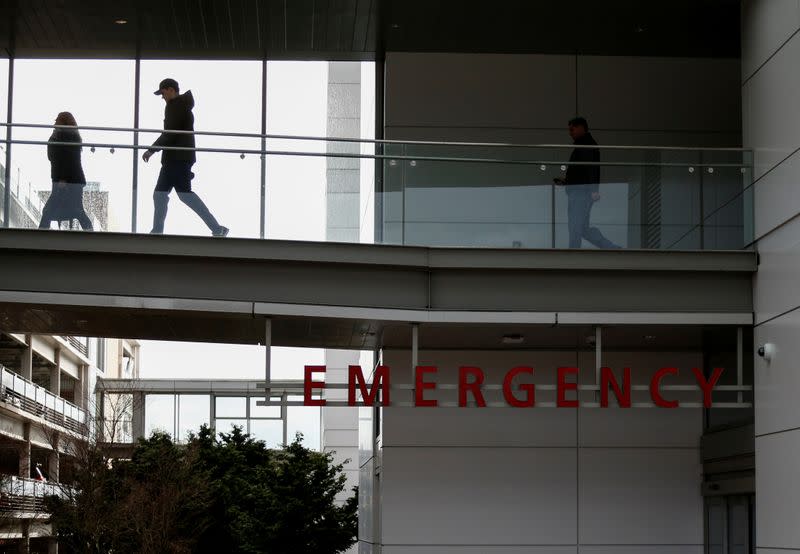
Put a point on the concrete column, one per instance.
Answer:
(135, 369)
(54, 461)
(25, 454)
(25, 541)
(26, 366)
(55, 375)
(137, 423)
(343, 174)
(770, 56)
(81, 387)
(340, 424)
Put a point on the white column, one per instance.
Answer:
(55, 374)
(340, 424)
(771, 124)
(26, 365)
(137, 423)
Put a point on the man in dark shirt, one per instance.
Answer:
(582, 182)
(176, 165)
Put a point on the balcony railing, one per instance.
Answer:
(422, 193)
(31, 398)
(18, 494)
(81, 344)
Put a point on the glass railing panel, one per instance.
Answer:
(504, 197)
(439, 194)
(727, 200)
(105, 197)
(227, 184)
(476, 196)
(298, 186)
(8, 379)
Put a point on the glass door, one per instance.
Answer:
(730, 524)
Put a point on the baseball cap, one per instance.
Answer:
(166, 83)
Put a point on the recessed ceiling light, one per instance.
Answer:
(120, 21)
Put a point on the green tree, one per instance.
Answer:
(218, 493)
(290, 506)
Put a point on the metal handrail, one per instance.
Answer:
(262, 152)
(366, 141)
(36, 400)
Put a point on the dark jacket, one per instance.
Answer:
(584, 174)
(65, 161)
(177, 116)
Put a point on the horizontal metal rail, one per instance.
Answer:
(369, 141)
(260, 152)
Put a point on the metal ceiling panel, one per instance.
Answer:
(366, 29)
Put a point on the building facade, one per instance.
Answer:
(446, 245)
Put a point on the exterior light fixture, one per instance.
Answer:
(512, 339)
(649, 337)
(121, 21)
(767, 351)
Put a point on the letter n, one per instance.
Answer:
(623, 394)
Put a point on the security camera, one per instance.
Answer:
(766, 351)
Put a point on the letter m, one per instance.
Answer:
(381, 382)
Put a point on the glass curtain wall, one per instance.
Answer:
(297, 104)
(227, 97)
(43, 89)
(314, 197)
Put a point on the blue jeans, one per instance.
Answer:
(178, 174)
(579, 209)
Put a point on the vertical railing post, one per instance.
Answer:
(135, 179)
(380, 166)
(414, 356)
(263, 221)
(739, 364)
(702, 205)
(598, 358)
(553, 215)
(7, 176)
(267, 358)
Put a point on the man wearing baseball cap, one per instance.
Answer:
(176, 165)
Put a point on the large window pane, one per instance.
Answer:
(194, 411)
(231, 406)
(305, 420)
(269, 431)
(312, 197)
(227, 96)
(159, 414)
(43, 89)
(257, 411)
(227, 425)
